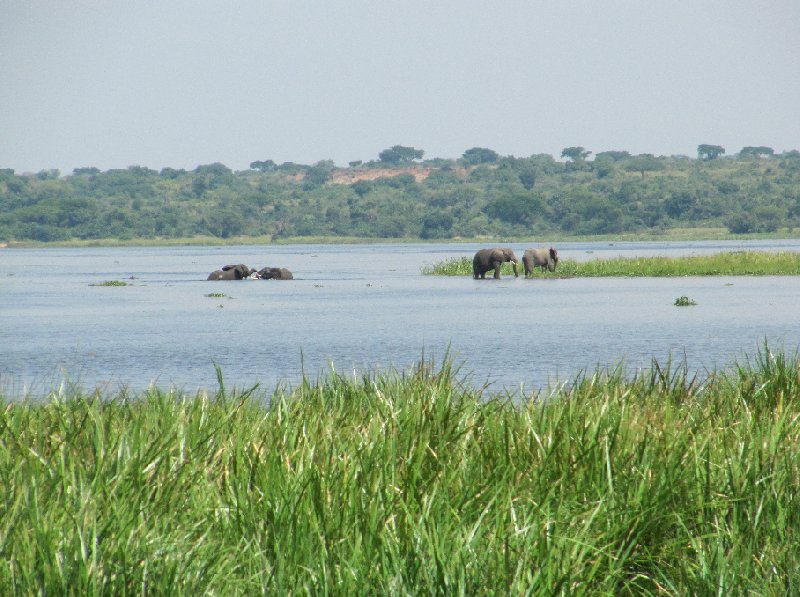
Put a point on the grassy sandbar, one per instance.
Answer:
(732, 263)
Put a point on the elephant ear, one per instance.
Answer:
(553, 253)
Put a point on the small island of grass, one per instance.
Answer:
(731, 263)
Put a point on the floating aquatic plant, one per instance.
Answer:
(111, 283)
(684, 301)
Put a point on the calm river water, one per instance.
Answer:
(365, 308)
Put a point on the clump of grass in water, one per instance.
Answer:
(216, 295)
(735, 263)
(684, 301)
(455, 266)
(410, 483)
(461, 266)
(111, 283)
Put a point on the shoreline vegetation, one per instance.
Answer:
(410, 483)
(730, 263)
(676, 234)
(402, 195)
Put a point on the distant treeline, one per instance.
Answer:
(400, 195)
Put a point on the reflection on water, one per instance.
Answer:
(361, 307)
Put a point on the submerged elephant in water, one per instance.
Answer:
(544, 258)
(232, 272)
(492, 259)
(275, 273)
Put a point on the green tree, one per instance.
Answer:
(89, 171)
(52, 174)
(741, 223)
(479, 155)
(709, 152)
(769, 217)
(211, 176)
(362, 187)
(291, 168)
(318, 174)
(527, 177)
(616, 156)
(436, 225)
(598, 215)
(527, 171)
(576, 154)
(401, 181)
(262, 165)
(756, 152)
(142, 171)
(679, 203)
(171, 173)
(645, 162)
(516, 209)
(399, 154)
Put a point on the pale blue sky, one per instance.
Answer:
(179, 83)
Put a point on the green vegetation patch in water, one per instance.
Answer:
(684, 301)
(111, 283)
(733, 263)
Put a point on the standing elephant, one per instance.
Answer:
(544, 258)
(232, 272)
(488, 259)
(275, 273)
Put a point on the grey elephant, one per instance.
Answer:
(492, 259)
(274, 273)
(232, 272)
(546, 258)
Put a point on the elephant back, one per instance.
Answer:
(275, 273)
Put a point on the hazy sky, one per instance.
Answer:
(179, 83)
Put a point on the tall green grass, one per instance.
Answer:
(733, 263)
(410, 483)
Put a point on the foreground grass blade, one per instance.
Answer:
(410, 483)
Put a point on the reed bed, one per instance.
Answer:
(410, 483)
(732, 263)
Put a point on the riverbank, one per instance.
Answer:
(676, 234)
(410, 483)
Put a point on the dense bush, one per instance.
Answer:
(481, 194)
